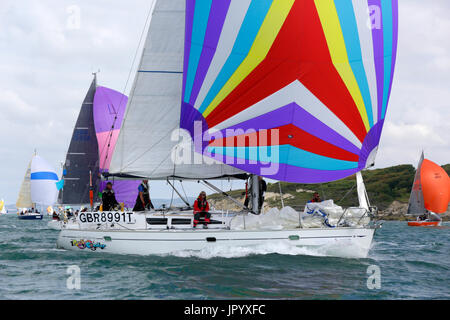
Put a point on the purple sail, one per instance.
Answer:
(109, 110)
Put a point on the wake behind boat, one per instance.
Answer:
(222, 94)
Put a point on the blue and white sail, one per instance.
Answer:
(44, 180)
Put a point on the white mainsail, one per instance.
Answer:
(24, 198)
(145, 144)
(416, 205)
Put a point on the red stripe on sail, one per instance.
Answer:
(287, 135)
(300, 52)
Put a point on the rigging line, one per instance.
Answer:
(348, 192)
(323, 193)
(173, 187)
(108, 141)
(184, 191)
(281, 194)
(133, 63)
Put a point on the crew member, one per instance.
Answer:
(201, 209)
(109, 201)
(262, 192)
(143, 201)
(248, 192)
(55, 215)
(316, 198)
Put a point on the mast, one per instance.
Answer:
(362, 193)
(255, 193)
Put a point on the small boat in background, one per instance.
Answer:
(39, 187)
(430, 194)
(90, 150)
(3, 207)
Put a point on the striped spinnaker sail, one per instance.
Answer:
(307, 81)
(109, 109)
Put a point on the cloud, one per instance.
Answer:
(419, 110)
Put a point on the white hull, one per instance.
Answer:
(340, 242)
(55, 225)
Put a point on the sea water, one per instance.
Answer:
(408, 263)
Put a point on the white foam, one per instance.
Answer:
(281, 248)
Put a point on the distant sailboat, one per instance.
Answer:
(3, 207)
(91, 147)
(38, 189)
(430, 194)
(82, 156)
(24, 203)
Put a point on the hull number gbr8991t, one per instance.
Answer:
(104, 217)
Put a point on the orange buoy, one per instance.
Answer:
(435, 186)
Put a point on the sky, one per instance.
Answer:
(49, 49)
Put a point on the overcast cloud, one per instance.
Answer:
(46, 64)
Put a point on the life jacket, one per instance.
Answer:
(108, 199)
(146, 194)
(108, 191)
(201, 205)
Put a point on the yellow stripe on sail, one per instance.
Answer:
(264, 40)
(336, 44)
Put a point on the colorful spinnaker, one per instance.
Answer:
(435, 187)
(109, 109)
(430, 190)
(304, 84)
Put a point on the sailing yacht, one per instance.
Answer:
(293, 91)
(38, 189)
(430, 194)
(3, 207)
(90, 151)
